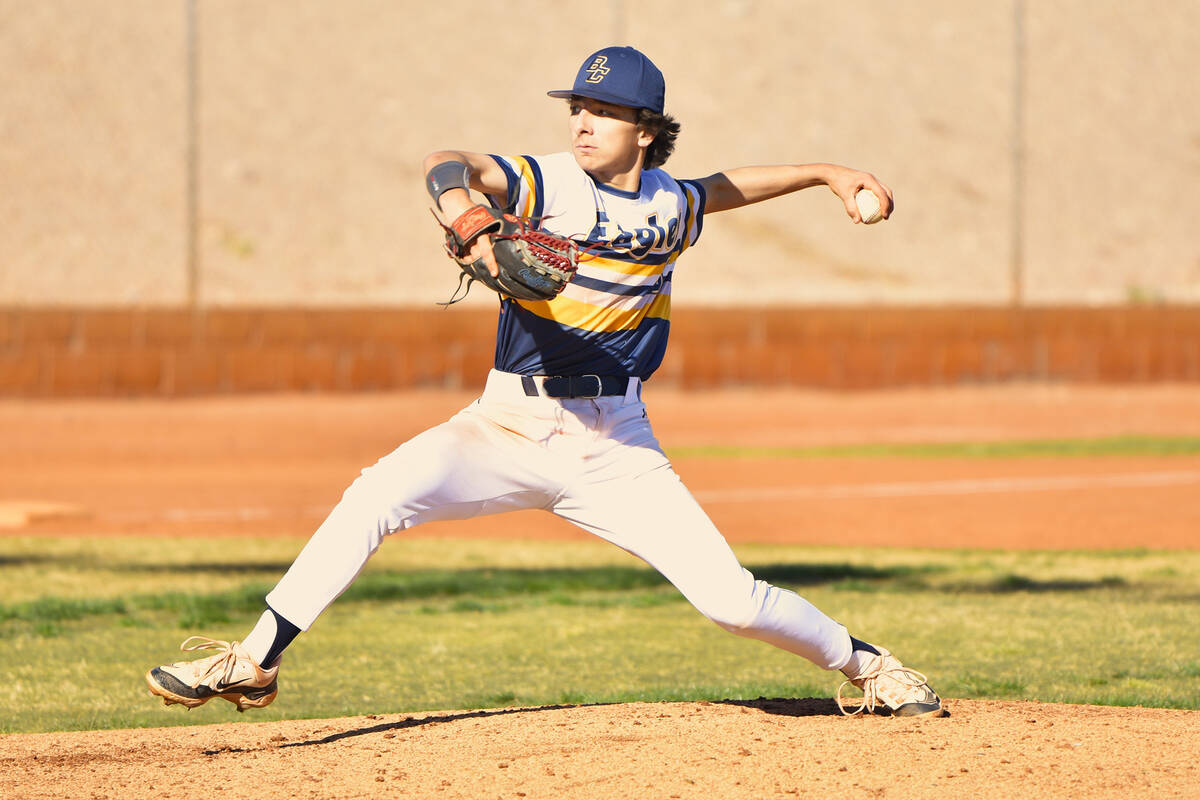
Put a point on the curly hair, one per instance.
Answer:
(666, 131)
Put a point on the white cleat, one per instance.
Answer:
(888, 685)
(231, 675)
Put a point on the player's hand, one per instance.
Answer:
(846, 183)
(481, 248)
(454, 204)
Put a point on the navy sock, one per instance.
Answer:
(858, 644)
(285, 632)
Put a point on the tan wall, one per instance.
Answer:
(313, 118)
(171, 352)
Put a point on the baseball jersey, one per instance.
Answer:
(613, 318)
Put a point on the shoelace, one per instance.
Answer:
(870, 686)
(222, 665)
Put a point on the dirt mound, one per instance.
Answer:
(729, 750)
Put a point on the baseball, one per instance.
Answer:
(868, 206)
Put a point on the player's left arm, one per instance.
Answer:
(484, 175)
(742, 186)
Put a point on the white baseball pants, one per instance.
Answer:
(594, 462)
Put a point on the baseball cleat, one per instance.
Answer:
(888, 685)
(231, 675)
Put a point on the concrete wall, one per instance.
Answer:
(312, 119)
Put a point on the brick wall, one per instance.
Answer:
(882, 346)
(170, 352)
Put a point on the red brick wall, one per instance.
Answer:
(168, 352)
(887, 346)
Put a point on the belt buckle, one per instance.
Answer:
(599, 388)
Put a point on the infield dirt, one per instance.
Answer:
(767, 748)
(273, 465)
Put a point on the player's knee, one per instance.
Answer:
(742, 624)
(736, 612)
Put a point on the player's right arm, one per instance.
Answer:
(483, 175)
(743, 186)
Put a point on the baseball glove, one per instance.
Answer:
(534, 264)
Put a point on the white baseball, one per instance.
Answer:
(868, 206)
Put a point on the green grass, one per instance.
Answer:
(1041, 448)
(436, 624)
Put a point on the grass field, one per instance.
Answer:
(442, 624)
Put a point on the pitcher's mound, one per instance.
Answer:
(731, 750)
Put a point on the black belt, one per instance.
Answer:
(575, 385)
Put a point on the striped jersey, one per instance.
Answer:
(613, 318)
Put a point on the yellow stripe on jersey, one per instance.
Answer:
(584, 316)
(526, 176)
(660, 308)
(623, 266)
(690, 215)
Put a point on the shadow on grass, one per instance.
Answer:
(29, 558)
(494, 583)
(600, 586)
(491, 582)
(1019, 583)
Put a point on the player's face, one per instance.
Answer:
(605, 138)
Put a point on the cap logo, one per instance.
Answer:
(596, 71)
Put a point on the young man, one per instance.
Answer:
(560, 424)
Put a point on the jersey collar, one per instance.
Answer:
(604, 187)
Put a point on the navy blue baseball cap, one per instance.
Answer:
(620, 75)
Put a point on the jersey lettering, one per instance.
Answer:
(638, 242)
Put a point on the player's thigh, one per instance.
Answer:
(462, 468)
(654, 516)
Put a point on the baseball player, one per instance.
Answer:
(560, 424)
